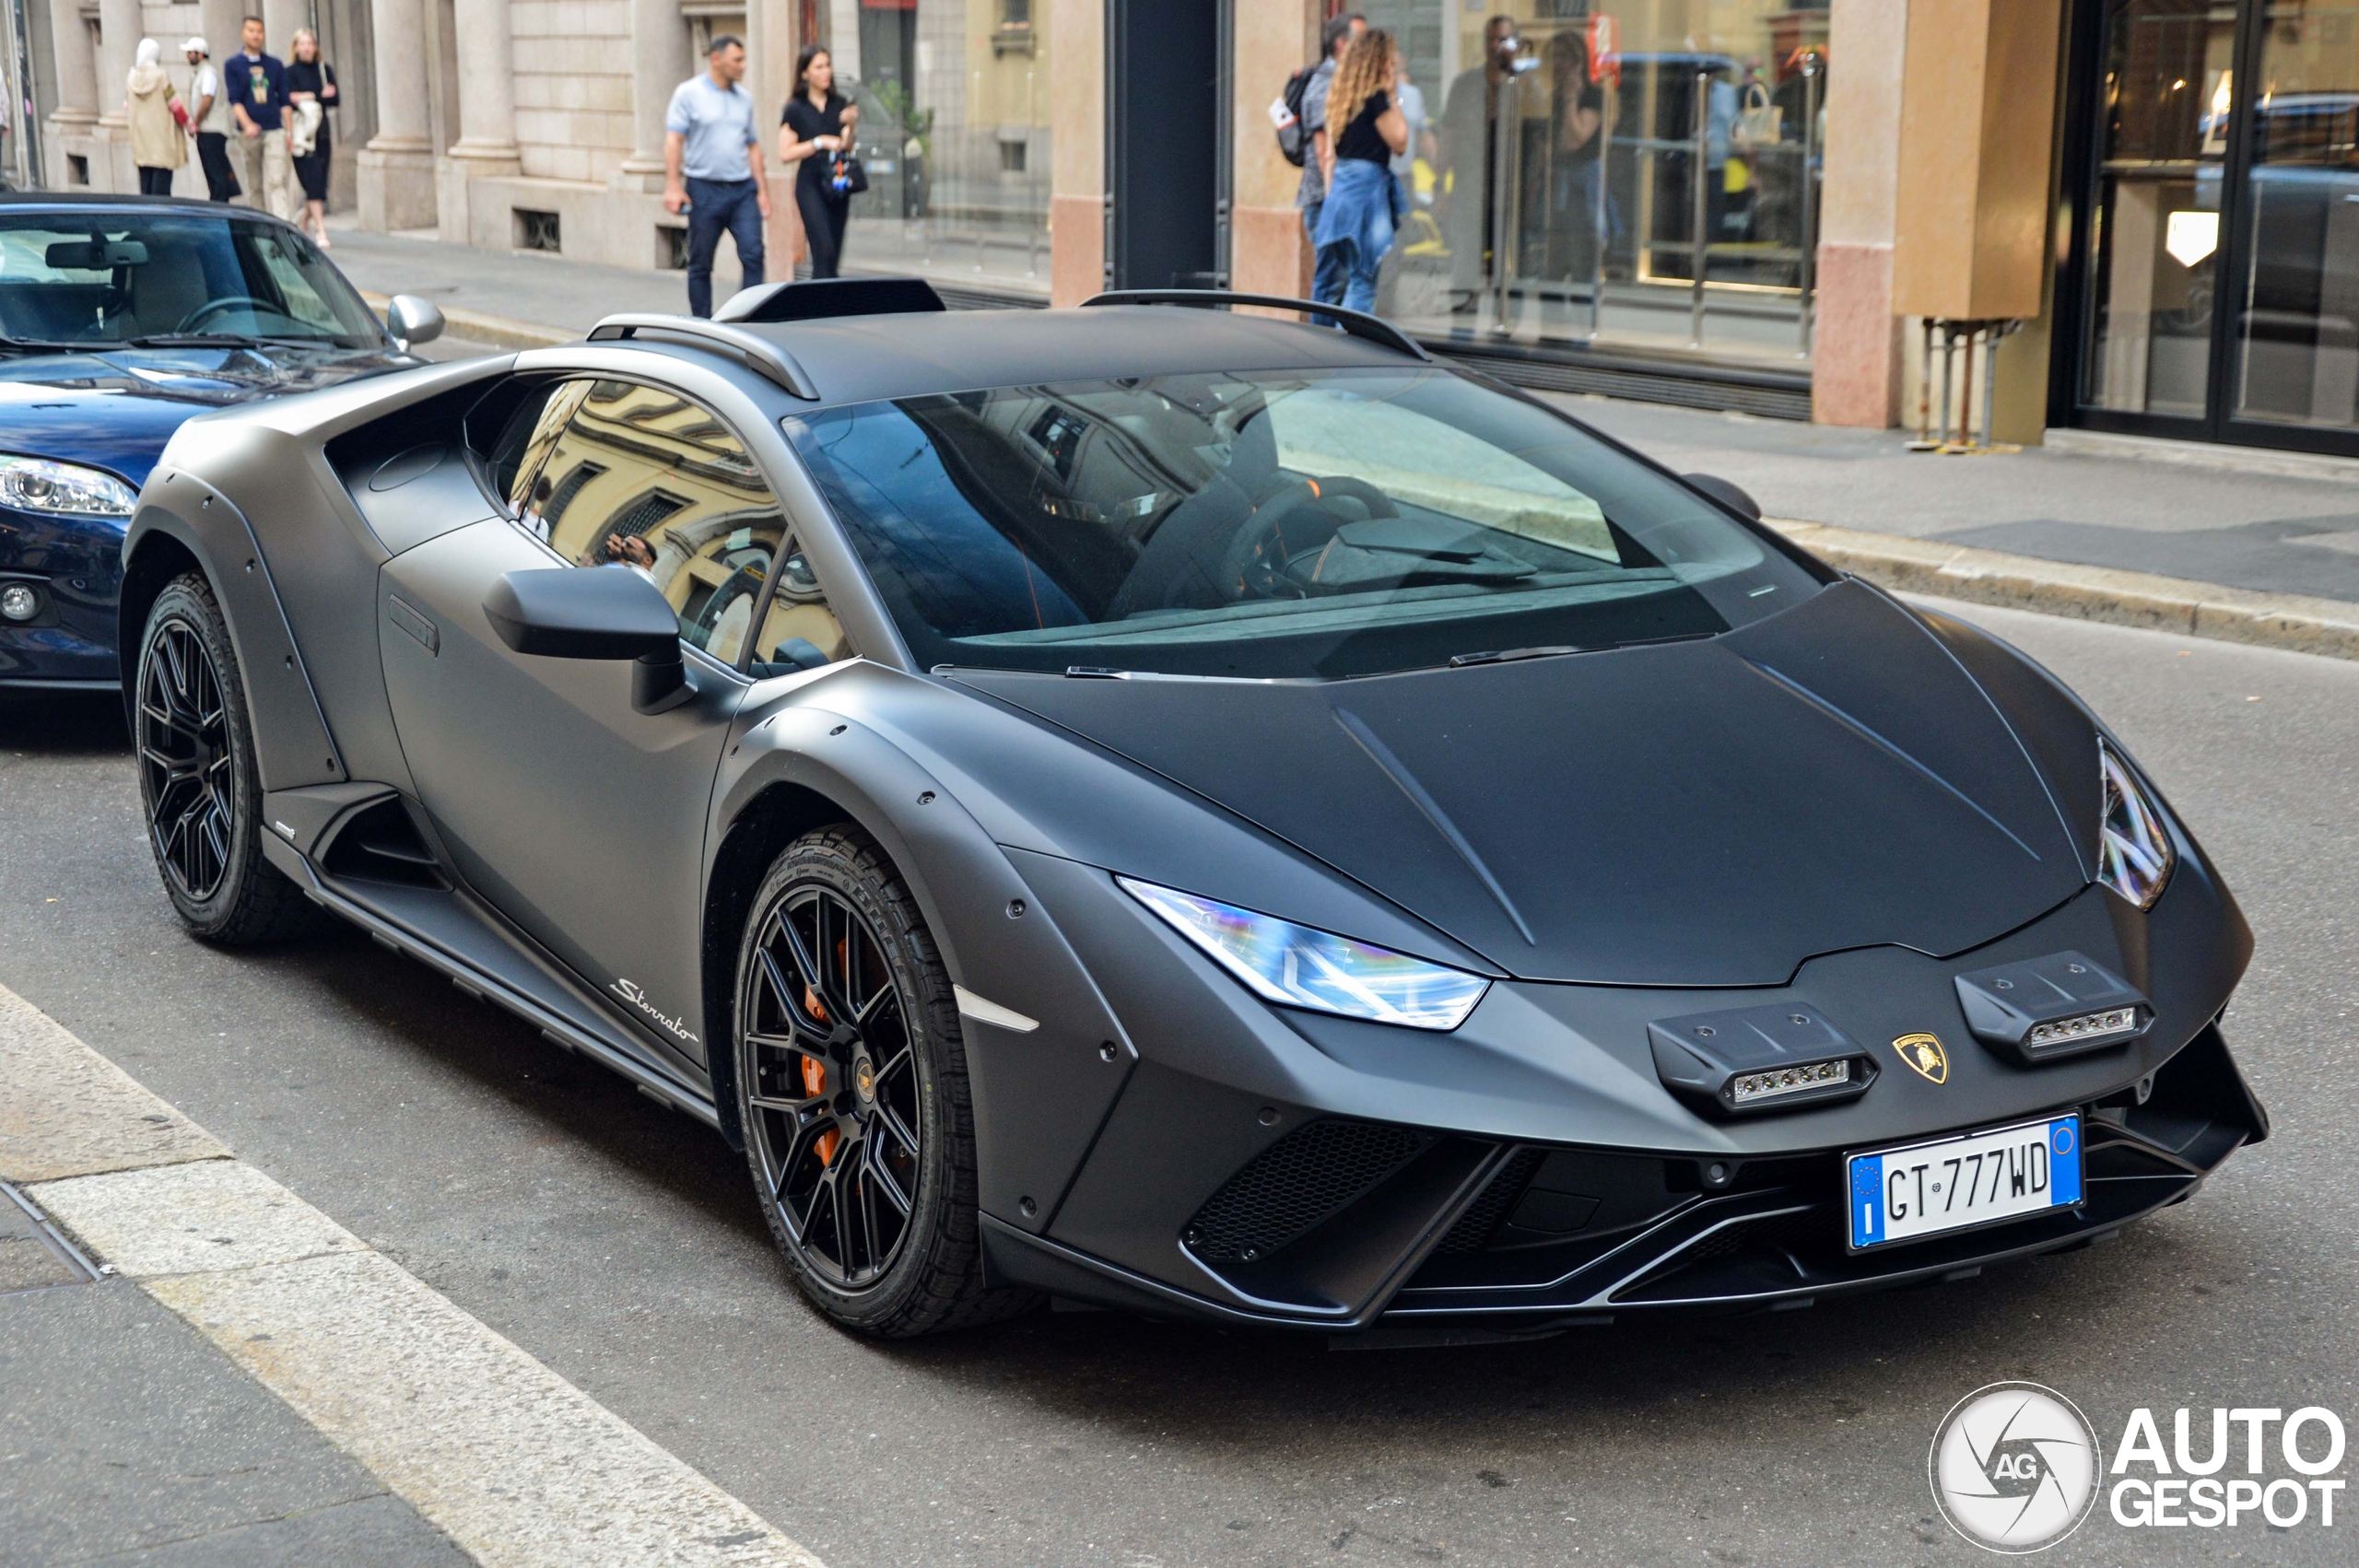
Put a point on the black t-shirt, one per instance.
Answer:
(808, 124)
(1590, 100)
(1361, 139)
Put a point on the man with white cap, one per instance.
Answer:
(209, 114)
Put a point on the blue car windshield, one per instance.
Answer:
(1310, 524)
(101, 278)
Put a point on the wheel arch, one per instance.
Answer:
(777, 814)
(152, 560)
(184, 523)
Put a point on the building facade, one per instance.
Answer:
(1738, 203)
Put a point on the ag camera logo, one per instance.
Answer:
(2014, 1467)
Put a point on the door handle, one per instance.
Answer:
(404, 615)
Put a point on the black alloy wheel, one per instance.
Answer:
(198, 781)
(851, 1084)
(187, 769)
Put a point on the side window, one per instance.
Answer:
(799, 630)
(639, 479)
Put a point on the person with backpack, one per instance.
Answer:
(1363, 206)
(1318, 157)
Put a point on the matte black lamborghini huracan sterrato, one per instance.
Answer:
(1187, 811)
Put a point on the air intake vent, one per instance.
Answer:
(1474, 1229)
(380, 844)
(1303, 1178)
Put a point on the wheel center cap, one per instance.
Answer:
(864, 1080)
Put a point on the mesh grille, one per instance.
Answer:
(1296, 1182)
(1474, 1229)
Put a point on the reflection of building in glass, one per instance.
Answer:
(1697, 201)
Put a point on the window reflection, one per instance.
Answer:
(2298, 358)
(2167, 95)
(1581, 171)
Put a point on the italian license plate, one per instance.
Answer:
(1955, 1183)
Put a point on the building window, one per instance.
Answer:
(1011, 157)
(537, 232)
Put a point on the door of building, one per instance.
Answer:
(2213, 159)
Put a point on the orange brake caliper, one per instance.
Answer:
(815, 1083)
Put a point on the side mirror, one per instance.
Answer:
(412, 319)
(1729, 495)
(595, 612)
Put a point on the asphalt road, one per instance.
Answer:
(619, 1244)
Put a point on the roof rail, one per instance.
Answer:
(1359, 323)
(816, 298)
(764, 358)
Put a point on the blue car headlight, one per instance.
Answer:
(38, 485)
(1298, 967)
(2134, 854)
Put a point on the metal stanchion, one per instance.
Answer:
(1924, 442)
(1699, 173)
(1601, 229)
(1809, 194)
(1506, 196)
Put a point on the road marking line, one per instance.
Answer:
(517, 1465)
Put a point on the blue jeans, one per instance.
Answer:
(715, 205)
(1354, 230)
(1327, 276)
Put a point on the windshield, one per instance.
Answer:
(1318, 524)
(106, 278)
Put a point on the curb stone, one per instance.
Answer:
(2143, 599)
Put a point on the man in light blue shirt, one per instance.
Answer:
(712, 167)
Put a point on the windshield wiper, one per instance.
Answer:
(44, 345)
(195, 340)
(1509, 655)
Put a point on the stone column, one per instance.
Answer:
(1856, 348)
(1267, 251)
(119, 33)
(78, 88)
(396, 169)
(486, 144)
(1077, 146)
(658, 46)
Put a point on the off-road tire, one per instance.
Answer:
(933, 1281)
(248, 901)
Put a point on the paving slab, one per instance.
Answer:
(123, 1433)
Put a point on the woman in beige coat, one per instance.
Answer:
(159, 145)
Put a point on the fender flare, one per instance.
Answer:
(293, 745)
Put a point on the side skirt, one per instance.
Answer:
(445, 931)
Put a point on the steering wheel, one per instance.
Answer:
(228, 302)
(1257, 555)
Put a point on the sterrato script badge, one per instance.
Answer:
(1924, 1054)
(628, 990)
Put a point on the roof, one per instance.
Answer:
(861, 358)
(122, 201)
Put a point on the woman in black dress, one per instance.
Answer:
(310, 79)
(818, 125)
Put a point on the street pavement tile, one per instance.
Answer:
(115, 1406)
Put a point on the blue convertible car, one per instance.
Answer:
(120, 318)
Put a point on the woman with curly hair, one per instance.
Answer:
(1362, 205)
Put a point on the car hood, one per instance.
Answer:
(115, 408)
(1707, 814)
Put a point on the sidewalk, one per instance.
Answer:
(202, 1369)
(2265, 558)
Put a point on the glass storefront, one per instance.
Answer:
(954, 100)
(2222, 222)
(1630, 174)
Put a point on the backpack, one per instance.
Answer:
(1286, 114)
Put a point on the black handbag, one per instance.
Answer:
(845, 175)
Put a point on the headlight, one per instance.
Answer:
(37, 485)
(1297, 966)
(2134, 855)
